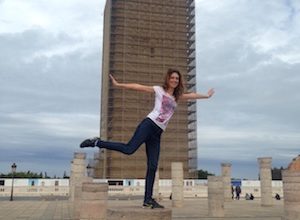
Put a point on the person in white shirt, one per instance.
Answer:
(150, 129)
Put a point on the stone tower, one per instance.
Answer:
(141, 40)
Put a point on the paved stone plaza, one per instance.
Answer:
(192, 209)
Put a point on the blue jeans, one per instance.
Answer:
(149, 133)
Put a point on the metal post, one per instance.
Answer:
(13, 170)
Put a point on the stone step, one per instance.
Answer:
(138, 213)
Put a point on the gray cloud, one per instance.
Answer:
(62, 81)
(49, 87)
(246, 50)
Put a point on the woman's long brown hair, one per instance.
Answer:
(178, 91)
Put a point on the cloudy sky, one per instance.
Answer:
(50, 70)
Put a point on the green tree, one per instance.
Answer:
(202, 174)
(65, 176)
(276, 173)
(21, 174)
(46, 176)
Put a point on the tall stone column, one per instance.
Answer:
(78, 169)
(291, 194)
(215, 196)
(291, 190)
(177, 184)
(226, 175)
(265, 164)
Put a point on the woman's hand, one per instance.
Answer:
(210, 93)
(113, 80)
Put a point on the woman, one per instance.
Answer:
(150, 129)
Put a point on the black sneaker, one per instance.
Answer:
(91, 142)
(152, 204)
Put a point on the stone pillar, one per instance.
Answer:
(78, 169)
(215, 196)
(156, 194)
(265, 164)
(226, 175)
(291, 194)
(177, 184)
(92, 204)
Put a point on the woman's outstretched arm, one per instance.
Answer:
(194, 95)
(133, 86)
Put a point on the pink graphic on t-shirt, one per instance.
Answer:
(167, 109)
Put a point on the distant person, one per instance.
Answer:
(251, 196)
(277, 196)
(238, 192)
(232, 192)
(149, 131)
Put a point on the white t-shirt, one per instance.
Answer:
(164, 107)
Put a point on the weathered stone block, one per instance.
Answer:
(137, 213)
